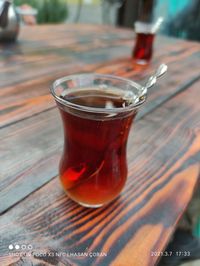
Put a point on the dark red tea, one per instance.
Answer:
(93, 167)
(143, 47)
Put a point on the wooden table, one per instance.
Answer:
(163, 150)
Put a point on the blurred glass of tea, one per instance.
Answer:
(145, 34)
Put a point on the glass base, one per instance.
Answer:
(89, 206)
(84, 204)
(141, 61)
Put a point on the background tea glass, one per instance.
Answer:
(145, 34)
(97, 113)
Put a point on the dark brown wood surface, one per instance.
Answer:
(163, 150)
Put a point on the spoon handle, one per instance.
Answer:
(152, 80)
(161, 70)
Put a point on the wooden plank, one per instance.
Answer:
(71, 39)
(164, 155)
(26, 156)
(37, 46)
(30, 97)
(31, 73)
(58, 60)
(29, 156)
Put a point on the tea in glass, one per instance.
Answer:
(97, 113)
(143, 50)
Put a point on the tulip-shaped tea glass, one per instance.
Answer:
(97, 113)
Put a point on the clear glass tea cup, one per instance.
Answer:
(97, 113)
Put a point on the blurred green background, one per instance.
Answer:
(49, 11)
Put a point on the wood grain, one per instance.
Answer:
(22, 154)
(30, 153)
(164, 155)
(28, 68)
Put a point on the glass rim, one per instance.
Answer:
(67, 103)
